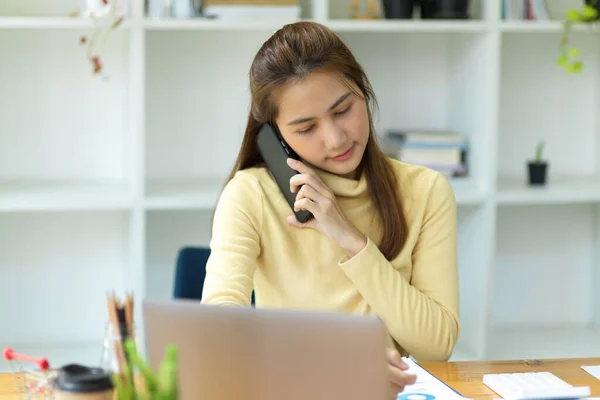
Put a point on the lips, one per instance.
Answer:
(344, 156)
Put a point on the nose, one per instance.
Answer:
(335, 137)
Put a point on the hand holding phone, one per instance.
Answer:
(275, 152)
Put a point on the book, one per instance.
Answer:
(444, 151)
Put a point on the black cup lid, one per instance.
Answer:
(81, 379)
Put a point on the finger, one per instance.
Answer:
(394, 358)
(292, 220)
(298, 166)
(400, 378)
(309, 192)
(311, 179)
(306, 204)
(394, 390)
(306, 176)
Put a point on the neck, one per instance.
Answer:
(347, 185)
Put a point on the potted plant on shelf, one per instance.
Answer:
(587, 15)
(538, 167)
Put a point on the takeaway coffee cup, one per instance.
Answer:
(78, 382)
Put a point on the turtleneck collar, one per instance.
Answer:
(345, 187)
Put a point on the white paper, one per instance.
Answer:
(593, 370)
(426, 387)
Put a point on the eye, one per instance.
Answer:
(344, 111)
(307, 130)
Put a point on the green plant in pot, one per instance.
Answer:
(538, 167)
(588, 15)
(150, 386)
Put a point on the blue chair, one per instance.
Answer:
(190, 272)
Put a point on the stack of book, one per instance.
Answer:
(248, 9)
(443, 151)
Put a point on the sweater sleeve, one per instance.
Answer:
(422, 315)
(235, 243)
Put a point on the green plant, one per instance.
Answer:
(569, 55)
(538, 153)
(163, 386)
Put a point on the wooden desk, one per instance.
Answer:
(464, 377)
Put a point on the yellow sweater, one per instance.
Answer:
(416, 295)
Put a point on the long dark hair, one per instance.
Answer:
(293, 52)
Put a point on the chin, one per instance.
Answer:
(343, 167)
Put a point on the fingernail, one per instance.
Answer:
(291, 161)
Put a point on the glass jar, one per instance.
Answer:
(113, 350)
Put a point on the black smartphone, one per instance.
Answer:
(275, 151)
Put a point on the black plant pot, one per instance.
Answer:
(451, 9)
(398, 9)
(538, 173)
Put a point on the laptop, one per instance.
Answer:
(231, 353)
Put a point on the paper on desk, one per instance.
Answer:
(427, 386)
(593, 370)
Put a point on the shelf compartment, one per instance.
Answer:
(542, 251)
(457, 68)
(58, 197)
(544, 273)
(167, 232)
(194, 127)
(56, 271)
(544, 343)
(558, 190)
(58, 128)
(532, 110)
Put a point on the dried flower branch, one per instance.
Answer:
(107, 16)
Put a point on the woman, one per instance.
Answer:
(383, 238)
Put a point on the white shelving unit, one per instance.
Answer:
(101, 182)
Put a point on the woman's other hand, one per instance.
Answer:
(398, 376)
(316, 197)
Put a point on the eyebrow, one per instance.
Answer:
(334, 105)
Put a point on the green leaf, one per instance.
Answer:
(574, 52)
(569, 68)
(589, 13)
(577, 66)
(136, 360)
(573, 15)
(562, 60)
(167, 389)
(118, 385)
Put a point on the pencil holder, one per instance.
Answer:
(114, 356)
